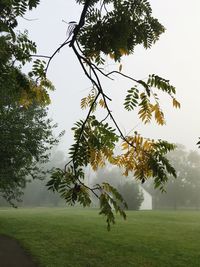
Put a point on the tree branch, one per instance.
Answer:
(81, 22)
(40, 56)
(55, 52)
(126, 76)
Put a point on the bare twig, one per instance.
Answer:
(120, 73)
(55, 52)
(29, 19)
(40, 56)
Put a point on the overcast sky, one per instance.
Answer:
(176, 56)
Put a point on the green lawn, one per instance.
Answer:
(73, 237)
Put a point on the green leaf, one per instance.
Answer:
(131, 100)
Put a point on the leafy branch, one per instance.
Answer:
(94, 37)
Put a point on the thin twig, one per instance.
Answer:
(29, 19)
(40, 56)
(90, 63)
(105, 118)
(54, 53)
(89, 188)
(120, 73)
(96, 83)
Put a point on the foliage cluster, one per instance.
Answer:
(132, 19)
(16, 49)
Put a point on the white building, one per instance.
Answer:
(147, 203)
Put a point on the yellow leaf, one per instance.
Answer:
(84, 103)
(96, 159)
(40, 94)
(123, 51)
(108, 153)
(102, 103)
(147, 145)
(176, 104)
(126, 173)
(112, 55)
(88, 100)
(125, 146)
(159, 116)
(24, 100)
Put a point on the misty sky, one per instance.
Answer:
(176, 56)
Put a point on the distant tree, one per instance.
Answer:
(110, 28)
(25, 131)
(42, 196)
(132, 194)
(109, 175)
(26, 137)
(184, 190)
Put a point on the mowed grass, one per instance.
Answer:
(75, 237)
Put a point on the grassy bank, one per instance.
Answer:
(73, 237)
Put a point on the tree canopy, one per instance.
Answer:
(106, 28)
(25, 131)
(26, 137)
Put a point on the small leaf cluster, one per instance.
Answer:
(23, 48)
(18, 50)
(67, 185)
(160, 165)
(20, 7)
(94, 143)
(145, 159)
(131, 100)
(88, 100)
(161, 84)
(147, 101)
(110, 201)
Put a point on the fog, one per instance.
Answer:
(181, 193)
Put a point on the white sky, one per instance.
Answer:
(176, 56)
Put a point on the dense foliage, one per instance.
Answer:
(26, 136)
(132, 19)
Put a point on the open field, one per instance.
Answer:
(74, 237)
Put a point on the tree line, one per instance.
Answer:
(180, 193)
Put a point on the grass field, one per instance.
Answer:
(73, 237)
